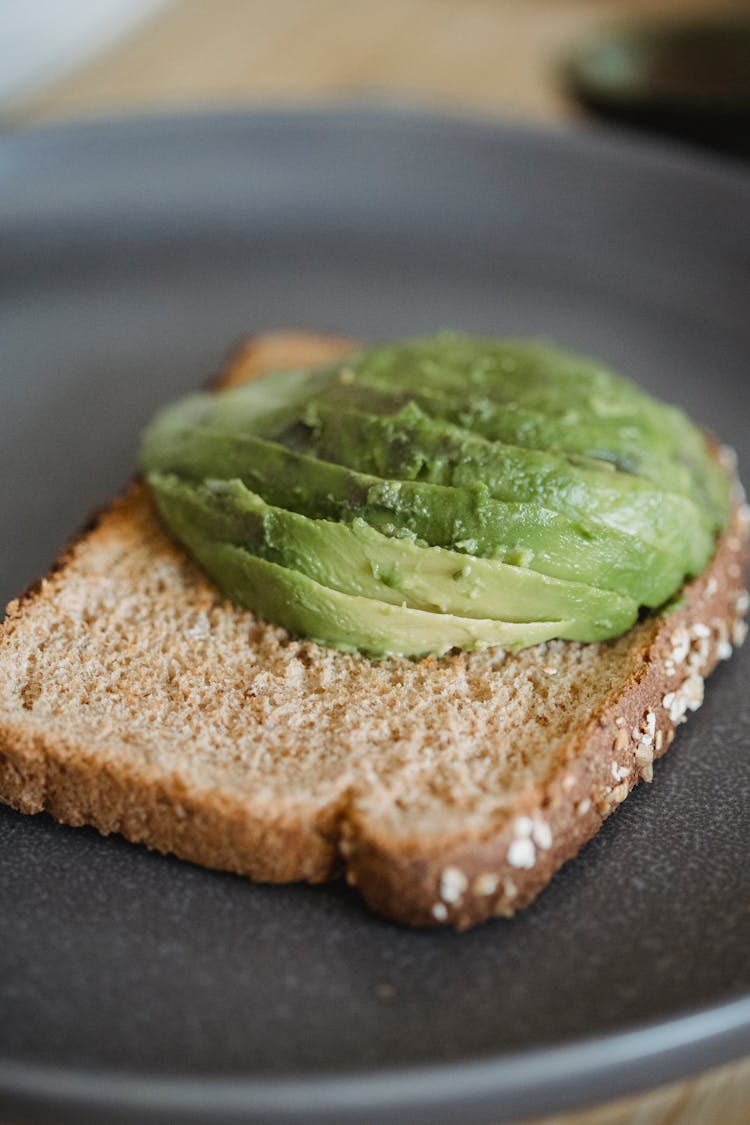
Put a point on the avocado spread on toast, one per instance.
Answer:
(438, 493)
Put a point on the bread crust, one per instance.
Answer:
(453, 878)
(464, 881)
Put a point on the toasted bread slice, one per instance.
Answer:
(134, 698)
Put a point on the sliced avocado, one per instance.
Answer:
(411, 446)
(356, 559)
(526, 394)
(624, 440)
(440, 492)
(409, 443)
(379, 629)
(628, 445)
(560, 400)
(463, 519)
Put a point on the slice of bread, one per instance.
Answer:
(134, 698)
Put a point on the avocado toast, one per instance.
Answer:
(134, 697)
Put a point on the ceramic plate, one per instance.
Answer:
(132, 254)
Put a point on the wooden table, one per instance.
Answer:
(495, 56)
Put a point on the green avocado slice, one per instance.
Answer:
(412, 446)
(560, 399)
(464, 519)
(439, 493)
(347, 622)
(624, 441)
(356, 559)
(532, 396)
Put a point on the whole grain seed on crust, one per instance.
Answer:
(680, 645)
(541, 834)
(453, 883)
(522, 853)
(620, 793)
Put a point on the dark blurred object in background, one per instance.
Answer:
(688, 80)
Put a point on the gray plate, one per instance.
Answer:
(136, 987)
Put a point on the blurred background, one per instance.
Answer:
(674, 66)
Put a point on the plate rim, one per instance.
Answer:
(611, 1066)
(669, 153)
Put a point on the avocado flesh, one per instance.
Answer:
(528, 395)
(438, 478)
(411, 446)
(379, 629)
(619, 441)
(461, 519)
(532, 377)
(675, 467)
(356, 559)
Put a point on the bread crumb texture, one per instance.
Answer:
(135, 698)
(133, 652)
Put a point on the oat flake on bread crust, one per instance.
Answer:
(134, 698)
